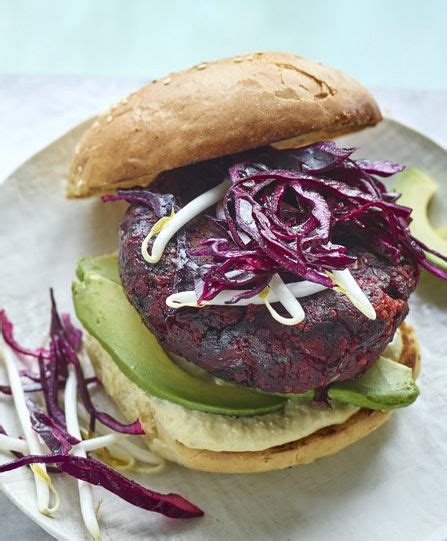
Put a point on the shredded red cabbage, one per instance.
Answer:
(294, 212)
(65, 340)
(73, 335)
(27, 388)
(161, 204)
(36, 387)
(8, 336)
(55, 437)
(29, 374)
(290, 213)
(64, 354)
(97, 473)
(49, 382)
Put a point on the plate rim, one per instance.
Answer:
(36, 517)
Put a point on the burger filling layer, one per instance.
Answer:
(243, 343)
(199, 430)
(188, 404)
(164, 420)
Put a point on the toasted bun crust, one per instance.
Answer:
(327, 441)
(215, 109)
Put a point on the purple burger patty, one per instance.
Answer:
(245, 344)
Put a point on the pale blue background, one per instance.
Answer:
(400, 43)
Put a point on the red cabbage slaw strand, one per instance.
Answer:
(289, 211)
(65, 341)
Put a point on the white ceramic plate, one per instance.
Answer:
(392, 485)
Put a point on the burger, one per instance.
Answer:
(254, 316)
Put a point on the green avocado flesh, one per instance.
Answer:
(417, 191)
(105, 265)
(103, 308)
(386, 385)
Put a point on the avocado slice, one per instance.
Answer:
(105, 265)
(386, 385)
(104, 310)
(417, 190)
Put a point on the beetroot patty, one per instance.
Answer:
(245, 344)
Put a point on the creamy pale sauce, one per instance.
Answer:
(199, 430)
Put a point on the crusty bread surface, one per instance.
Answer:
(133, 402)
(215, 109)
